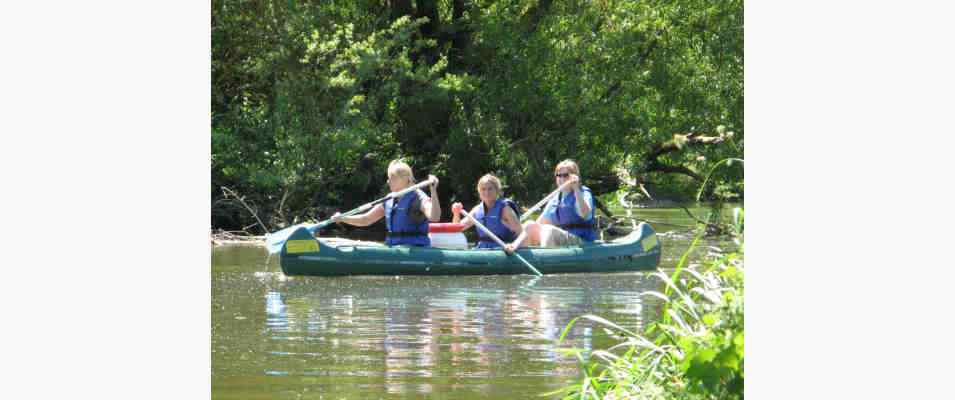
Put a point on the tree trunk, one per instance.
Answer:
(460, 37)
(429, 8)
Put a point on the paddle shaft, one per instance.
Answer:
(367, 206)
(542, 202)
(499, 241)
(274, 241)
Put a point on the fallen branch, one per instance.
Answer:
(229, 192)
(602, 207)
(678, 143)
(622, 219)
(282, 203)
(711, 228)
(236, 237)
(693, 216)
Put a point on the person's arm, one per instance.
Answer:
(368, 218)
(456, 218)
(584, 203)
(518, 241)
(456, 212)
(511, 221)
(432, 207)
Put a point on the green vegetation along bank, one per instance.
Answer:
(312, 99)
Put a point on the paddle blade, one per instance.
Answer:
(275, 241)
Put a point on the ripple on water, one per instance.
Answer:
(371, 337)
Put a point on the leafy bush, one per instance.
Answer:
(694, 351)
(311, 99)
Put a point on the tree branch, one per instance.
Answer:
(678, 143)
(230, 193)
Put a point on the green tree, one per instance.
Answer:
(312, 99)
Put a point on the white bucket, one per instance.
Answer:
(445, 240)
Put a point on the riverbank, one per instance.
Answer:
(224, 238)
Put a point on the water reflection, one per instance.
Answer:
(417, 332)
(438, 337)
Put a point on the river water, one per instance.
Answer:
(462, 337)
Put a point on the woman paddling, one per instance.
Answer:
(497, 214)
(567, 220)
(406, 217)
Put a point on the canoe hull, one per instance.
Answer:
(303, 254)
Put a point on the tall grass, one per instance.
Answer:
(695, 349)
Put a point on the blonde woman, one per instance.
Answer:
(497, 214)
(568, 218)
(406, 217)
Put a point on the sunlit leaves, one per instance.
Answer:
(697, 348)
(598, 81)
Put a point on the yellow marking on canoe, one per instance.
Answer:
(301, 246)
(649, 242)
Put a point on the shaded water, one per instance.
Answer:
(459, 337)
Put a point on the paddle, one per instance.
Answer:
(274, 241)
(542, 202)
(498, 240)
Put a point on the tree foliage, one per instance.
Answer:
(312, 99)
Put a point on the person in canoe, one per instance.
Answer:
(497, 214)
(406, 217)
(568, 218)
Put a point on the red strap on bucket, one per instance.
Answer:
(446, 227)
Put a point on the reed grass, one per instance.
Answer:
(693, 351)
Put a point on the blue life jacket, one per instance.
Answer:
(402, 228)
(494, 221)
(565, 216)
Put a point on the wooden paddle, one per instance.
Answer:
(542, 202)
(500, 242)
(274, 241)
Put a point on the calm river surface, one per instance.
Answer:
(465, 337)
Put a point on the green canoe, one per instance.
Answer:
(303, 254)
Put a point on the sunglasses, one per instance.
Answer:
(564, 175)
